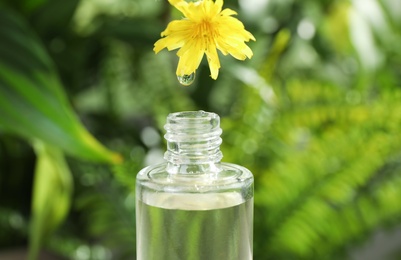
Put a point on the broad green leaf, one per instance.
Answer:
(32, 101)
(51, 195)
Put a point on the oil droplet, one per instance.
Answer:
(186, 79)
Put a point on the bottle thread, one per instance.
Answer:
(193, 138)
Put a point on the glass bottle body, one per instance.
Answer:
(194, 209)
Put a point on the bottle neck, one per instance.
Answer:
(193, 141)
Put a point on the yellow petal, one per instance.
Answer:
(189, 60)
(250, 36)
(228, 12)
(218, 5)
(190, 46)
(235, 30)
(246, 50)
(178, 26)
(215, 8)
(206, 7)
(213, 60)
(181, 6)
(194, 11)
(160, 45)
(176, 33)
(226, 47)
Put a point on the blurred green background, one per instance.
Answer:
(315, 115)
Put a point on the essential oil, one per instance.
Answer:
(193, 206)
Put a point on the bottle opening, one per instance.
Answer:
(193, 137)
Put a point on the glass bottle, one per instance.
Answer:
(194, 207)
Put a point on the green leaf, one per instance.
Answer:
(51, 195)
(32, 101)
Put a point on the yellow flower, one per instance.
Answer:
(205, 28)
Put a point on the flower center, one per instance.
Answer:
(205, 31)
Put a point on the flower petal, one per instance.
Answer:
(178, 26)
(228, 12)
(219, 5)
(189, 46)
(176, 34)
(216, 8)
(238, 50)
(160, 45)
(190, 59)
(181, 6)
(213, 60)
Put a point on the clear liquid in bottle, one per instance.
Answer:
(193, 206)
